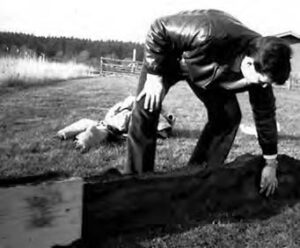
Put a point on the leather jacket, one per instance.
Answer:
(207, 42)
(208, 46)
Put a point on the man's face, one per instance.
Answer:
(251, 75)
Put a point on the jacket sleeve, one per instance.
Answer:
(157, 46)
(173, 37)
(264, 112)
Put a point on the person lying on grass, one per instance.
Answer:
(217, 56)
(88, 133)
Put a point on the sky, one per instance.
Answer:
(129, 20)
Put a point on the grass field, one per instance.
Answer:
(31, 116)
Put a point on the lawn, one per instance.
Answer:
(31, 116)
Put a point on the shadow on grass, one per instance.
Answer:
(288, 137)
(186, 133)
(19, 85)
(195, 134)
(34, 179)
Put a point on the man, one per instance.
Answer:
(218, 56)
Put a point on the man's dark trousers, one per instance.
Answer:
(215, 141)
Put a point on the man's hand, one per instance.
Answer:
(268, 177)
(153, 91)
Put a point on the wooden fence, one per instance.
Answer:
(111, 66)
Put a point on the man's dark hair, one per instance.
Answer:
(271, 57)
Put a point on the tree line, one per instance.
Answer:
(67, 48)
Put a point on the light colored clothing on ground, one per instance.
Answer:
(90, 133)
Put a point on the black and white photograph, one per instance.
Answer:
(149, 124)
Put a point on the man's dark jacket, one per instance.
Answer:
(209, 46)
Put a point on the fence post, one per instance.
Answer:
(290, 84)
(134, 60)
(101, 66)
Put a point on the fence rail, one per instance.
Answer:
(108, 65)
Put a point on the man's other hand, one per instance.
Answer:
(269, 181)
(153, 92)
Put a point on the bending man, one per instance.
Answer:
(218, 56)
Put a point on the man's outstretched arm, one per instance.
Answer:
(264, 111)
